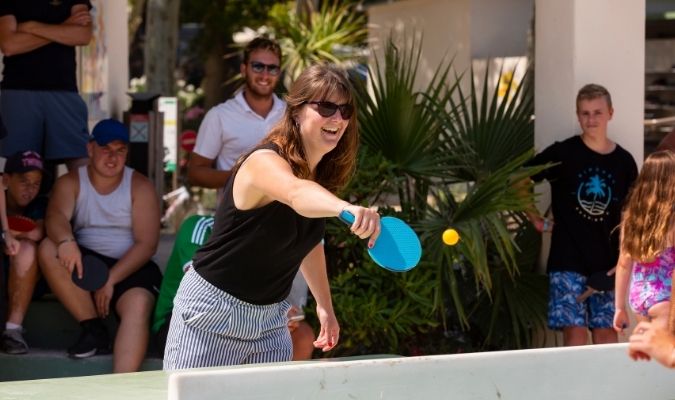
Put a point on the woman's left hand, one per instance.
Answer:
(330, 330)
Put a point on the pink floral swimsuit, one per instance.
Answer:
(651, 282)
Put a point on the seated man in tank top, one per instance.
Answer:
(110, 211)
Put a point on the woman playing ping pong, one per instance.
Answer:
(230, 306)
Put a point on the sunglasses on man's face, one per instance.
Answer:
(259, 67)
(327, 109)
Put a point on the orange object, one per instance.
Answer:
(450, 237)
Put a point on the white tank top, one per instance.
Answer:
(102, 223)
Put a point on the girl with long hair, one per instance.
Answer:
(648, 244)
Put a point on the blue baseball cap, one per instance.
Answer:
(109, 130)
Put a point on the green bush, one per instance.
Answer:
(417, 147)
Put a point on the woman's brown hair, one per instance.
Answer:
(648, 214)
(318, 82)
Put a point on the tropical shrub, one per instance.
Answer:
(334, 33)
(418, 148)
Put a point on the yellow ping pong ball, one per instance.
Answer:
(450, 237)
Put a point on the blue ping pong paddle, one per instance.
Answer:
(94, 273)
(397, 249)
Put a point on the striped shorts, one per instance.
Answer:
(209, 327)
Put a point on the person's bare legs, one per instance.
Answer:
(303, 339)
(23, 275)
(604, 336)
(575, 336)
(134, 308)
(77, 301)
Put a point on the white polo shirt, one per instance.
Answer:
(232, 128)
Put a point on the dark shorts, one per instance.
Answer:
(53, 123)
(597, 311)
(148, 277)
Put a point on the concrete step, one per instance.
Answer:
(44, 364)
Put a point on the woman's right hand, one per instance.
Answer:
(366, 223)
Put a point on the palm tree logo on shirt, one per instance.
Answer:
(595, 186)
(594, 193)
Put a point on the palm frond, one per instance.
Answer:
(396, 122)
(517, 304)
(497, 129)
(322, 36)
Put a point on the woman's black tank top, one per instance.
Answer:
(254, 254)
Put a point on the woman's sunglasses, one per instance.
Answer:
(259, 67)
(327, 109)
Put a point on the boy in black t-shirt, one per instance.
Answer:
(589, 182)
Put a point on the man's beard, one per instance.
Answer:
(258, 91)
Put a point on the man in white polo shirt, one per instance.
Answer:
(232, 128)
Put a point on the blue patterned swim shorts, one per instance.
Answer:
(597, 311)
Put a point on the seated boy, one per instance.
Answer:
(22, 179)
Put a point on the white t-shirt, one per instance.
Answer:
(232, 128)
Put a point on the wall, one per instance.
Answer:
(660, 55)
(444, 23)
(499, 28)
(579, 42)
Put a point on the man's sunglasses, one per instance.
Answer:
(259, 67)
(327, 109)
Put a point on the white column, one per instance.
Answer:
(590, 41)
(118, 56)
(103, 65)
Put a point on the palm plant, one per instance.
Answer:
(513, 309)
(425, 141)
(334, 34)
(397, 124)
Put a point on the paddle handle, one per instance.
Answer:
(346, 217)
